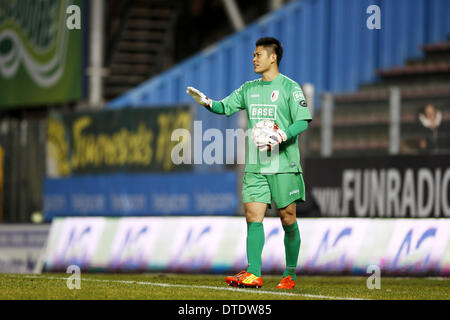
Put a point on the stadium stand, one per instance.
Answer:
(146, 37)
(361, 119)
(139, 34)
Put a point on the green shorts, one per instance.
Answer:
(282, 188)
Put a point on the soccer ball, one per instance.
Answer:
(262, 130)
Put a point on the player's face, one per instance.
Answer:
(262, 60)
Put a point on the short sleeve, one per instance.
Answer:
(297, 105)
(234, 102)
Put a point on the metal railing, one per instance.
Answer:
(393, 122)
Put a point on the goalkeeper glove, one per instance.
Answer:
(199, 97)
(273, 138)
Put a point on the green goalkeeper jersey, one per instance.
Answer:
(281, 100)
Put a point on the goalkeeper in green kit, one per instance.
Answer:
(275, 104)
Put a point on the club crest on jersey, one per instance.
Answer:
(274, 95)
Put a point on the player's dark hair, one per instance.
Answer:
(273, 44)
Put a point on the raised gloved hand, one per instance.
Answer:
(199, 97)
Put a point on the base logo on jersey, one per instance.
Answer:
(274, 95)
(263, 111)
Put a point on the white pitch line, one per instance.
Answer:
(257, 291)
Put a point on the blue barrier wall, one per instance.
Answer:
(326, 43)
(141, 195)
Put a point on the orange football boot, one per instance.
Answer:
(286, 283)
(249, 280)
(234, 280)
(244, 279)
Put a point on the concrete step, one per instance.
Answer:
(429, 86)
(144, 24)
(139, 47)
(437, 47)
(137, 69)
(128, 79)
(142, 35)
(135, 58)
(144, 12)
(417, 70)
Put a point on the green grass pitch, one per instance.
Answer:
(213, 287)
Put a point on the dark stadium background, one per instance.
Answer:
(94, 142)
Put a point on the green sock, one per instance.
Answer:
(255, 244)
(291, 249)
